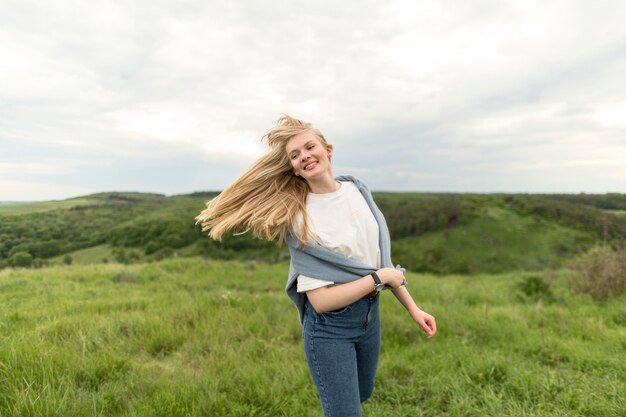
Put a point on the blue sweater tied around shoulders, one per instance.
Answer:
(316, 261)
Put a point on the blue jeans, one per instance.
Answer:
(342, 349)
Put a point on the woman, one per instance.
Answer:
(340, 256)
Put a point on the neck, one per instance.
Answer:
(323, 184)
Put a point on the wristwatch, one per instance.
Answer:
(379, 285)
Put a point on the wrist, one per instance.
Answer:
(382, 275)
(378, 284)
(414, 311)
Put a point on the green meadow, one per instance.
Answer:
(196, 337)
(116, 304)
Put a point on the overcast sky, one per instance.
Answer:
(174, 96)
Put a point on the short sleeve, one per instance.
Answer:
(307, 284)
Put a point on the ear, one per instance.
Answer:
(329, 148)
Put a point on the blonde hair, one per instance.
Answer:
(267, 198)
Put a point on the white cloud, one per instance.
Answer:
(443, 95)
(15, 190)
(8, 169)
(610, 115)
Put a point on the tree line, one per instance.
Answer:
(159, 226)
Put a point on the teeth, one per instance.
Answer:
(310, 165)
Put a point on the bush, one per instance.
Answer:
(125, 277)
(601, 273)
(120, 256)
(21, 259)
(536, 288)
(163, 253)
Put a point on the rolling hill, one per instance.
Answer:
(438, 233)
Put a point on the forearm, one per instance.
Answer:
(425, 320)
(334, 297)
(402, 294)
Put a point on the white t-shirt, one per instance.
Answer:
(344, 223)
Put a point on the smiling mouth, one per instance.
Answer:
(310, 166)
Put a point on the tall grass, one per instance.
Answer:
(189, 337)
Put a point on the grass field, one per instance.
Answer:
(189, 337)
(92, 255)
(498, 240)
(617, 212)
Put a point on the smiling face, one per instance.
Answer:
(308, 155)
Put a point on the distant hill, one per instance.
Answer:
(440, 233)
(610, 201)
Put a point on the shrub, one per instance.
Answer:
(125, 277)
(120, 256)
(21, 259)
(536, 288)
(601, 273)
(163, 253)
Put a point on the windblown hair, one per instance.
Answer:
(268, 197)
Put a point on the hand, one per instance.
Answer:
(391, 277)
(426, 322)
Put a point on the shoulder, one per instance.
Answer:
(350, 189)
(349, 178)
(360, 185)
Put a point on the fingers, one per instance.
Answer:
(428, 325)
(434, 326)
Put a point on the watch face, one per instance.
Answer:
(380, 287)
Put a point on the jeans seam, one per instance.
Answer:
(322, 389)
